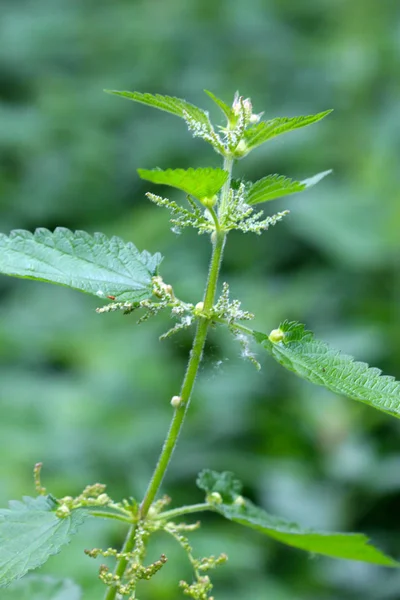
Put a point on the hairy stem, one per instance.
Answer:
(189, 379)
(196, 353)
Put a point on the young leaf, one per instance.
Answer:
(297, 350)
(93, 264)
(34, 587)
(276, 186)
(175, 106)
(264, 131)
(234, 507)
(31, 532)
(228, 112)
(200, 183)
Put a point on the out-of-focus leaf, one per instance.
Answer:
(31, 532)
(35, 587)
(351, 546)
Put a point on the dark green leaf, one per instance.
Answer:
(297, 350)
(336, 545)
(200, 183)
(31, 532)
(276, 186)
(34, 587)
(93, 264)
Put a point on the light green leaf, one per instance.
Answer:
(351, 546)
(34, 587)
(200, 183)
(228, 112)
(93, 264)
(276, 186)
(297, 350)
(175, 106)
(31, 532)
(266, 130)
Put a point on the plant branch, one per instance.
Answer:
(168, 515)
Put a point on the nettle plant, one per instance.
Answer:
(33, 529)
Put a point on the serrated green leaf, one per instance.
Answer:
(93, 264)
(31, 532)
(352, 546)
(175, 106)
(225, 484)
(34, 587)
(297, 350)
(200, 183)
(227, 110)
(266, 130)
(276, 186)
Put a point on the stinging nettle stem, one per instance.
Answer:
(196, 353)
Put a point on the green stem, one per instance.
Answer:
(228, 164)
(189, 379)
(218, 238)
(105, 515)
(122, 562)
(168, 515)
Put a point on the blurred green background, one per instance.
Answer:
(89, 394)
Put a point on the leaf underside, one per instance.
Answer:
(276, 186)
(93, 264)
(265, 130)
(200, 183)
(318, 363)
(335, 545)
(34, 587)
(30, 532)
(175, 106)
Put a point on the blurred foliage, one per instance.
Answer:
(89, 395)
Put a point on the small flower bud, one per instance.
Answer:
(214, 498)
(176, 401)
(241, 149)
(276, 336)
(239, 501)
(209, 202)
(199, 306)
(255, 118)
(103, 499)
(63, 511)
(153, 512)
(247, 105)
